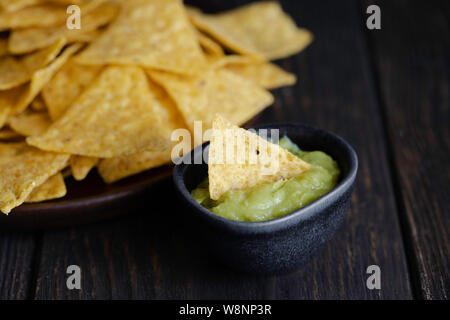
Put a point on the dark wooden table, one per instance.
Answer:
(386, 91)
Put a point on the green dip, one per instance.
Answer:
(272, 200)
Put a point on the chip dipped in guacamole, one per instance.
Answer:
(267, 201)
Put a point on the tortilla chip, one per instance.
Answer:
(27, 40)
(53, 188)
(81, 165)
(219, 91)
(29, 123)
(38, 104)
(14, 72)
(23, 168)
(13, 5)
(154, 34)
(259, 29)
(40, 78)
(3, 47)
(117, 168)
(209, 45)
(265, 74)
(45, 15)
(227, 172)
(4, 113)
(67, 85)
(115, 116)
(8, 99)
(222, 61)
(7, 134)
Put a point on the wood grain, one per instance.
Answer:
(16, 265)
(336, 92)
(412, 63)
(156, 253)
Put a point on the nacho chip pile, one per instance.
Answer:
(109, 95)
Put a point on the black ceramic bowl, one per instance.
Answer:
(282, 244)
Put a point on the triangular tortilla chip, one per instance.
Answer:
(29, 123)
(114, 169)
(23, 168)
(13, 5)
(265, 74)
(8, 134)
(117, 115)
(67, 85)
(4, 113)
(209, 45)
(26, 40)
(219, 91)
(38, 104)
(154, 34)
(40, 78)
(53, 188)
(44, 15)
(81, 165)
(39, 13)
(14, 72)
(239, 159)
(259, 29)
(3, 46)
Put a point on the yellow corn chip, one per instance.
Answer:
(3, 47)
(27, 40)
(14, 72)
(67, 85)
(81, 165)
(13, 5)
(53, 188)
(8, 99)
(9, 134)
(38, 104)
(40, 78)
(235, 160)
(219, 91)
(29, 123)
(23, 168)
(116, 168)
(4, 113)
(221, 61)
(259, 29)
(154, 34)
(116, 115)
(209, 45)
(265, 74)
(44, 15)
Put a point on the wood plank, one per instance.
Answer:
(411, 57)
(336, 92)
(16, 265)
(157, 254)
(154, 254)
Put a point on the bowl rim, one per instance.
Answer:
(285, 221)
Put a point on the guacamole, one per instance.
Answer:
(272, 200)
